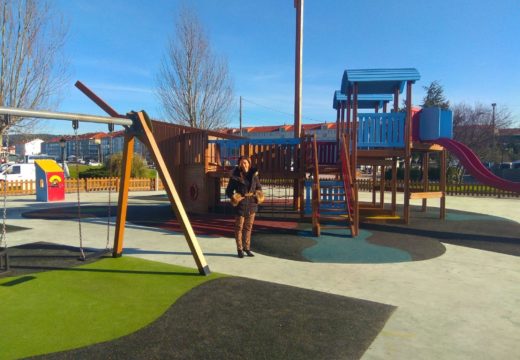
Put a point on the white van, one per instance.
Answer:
(18, 172)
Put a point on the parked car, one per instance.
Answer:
(18, 172)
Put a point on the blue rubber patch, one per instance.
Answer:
(332, 247)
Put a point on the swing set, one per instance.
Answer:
(137, 125)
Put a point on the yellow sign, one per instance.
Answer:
(54, 179)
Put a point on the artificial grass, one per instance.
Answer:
(66, 309)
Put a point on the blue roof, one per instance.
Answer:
(378, 81)
(365, 101)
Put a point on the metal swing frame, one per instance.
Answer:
(136, 124)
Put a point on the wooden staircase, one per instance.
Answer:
(333, 201)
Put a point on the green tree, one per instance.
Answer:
(115, 164)
(435, 96)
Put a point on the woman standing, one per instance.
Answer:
(245, 191)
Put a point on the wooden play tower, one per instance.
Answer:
(326, 172)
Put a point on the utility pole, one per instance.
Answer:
(298, 4)
(493, 146)
(240, 115)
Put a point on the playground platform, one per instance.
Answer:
(446, 300)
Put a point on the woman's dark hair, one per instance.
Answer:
(246, 158)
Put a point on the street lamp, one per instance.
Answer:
(63, 142)
(99, 152)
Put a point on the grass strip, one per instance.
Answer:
(66, 309)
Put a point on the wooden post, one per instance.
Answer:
(394, 185)
(426, 180)
(338, 122)
(128, 154)
(374, 181)
(354, 156)
(407, 157)
(353, 129)
(382, 188)
(147, 138)
(298, 4)
(396, 99)
(343, 107)
(443, 185)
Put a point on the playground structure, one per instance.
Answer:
(322, 173)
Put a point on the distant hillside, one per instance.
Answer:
(16, 139)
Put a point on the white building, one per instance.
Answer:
(33, 147)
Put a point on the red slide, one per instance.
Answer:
(474, 166)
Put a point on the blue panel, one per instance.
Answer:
(365, 101)
(384, 130)
(338, 96)
(41, 185)
(447, 124)
(435, 123)
(378, 81)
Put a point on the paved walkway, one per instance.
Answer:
(462, 305)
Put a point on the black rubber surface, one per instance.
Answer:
(238, 318)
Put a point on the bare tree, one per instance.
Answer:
(32, 66)
(193, 84)
(473, 126)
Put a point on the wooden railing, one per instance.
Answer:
(28, 187)
(269, 156)
(451, 189)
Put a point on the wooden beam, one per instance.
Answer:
(426, 147)
(122, 204)
(298, 4)
(394, 185)
(382, 187)
(380, 153)
(426, 180)
(147, 138)
(374, 162)
(443, 185)
(426, 195)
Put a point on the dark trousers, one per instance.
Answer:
(243, 228)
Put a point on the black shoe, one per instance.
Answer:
(249, 253)
(240, 253)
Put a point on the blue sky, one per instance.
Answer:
(471, 47)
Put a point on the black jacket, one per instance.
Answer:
(244, 185)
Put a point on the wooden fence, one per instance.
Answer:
(28, 187)
(452, 189)
(144, 184)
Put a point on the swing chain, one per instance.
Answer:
(75, 125)
(109, 164)
(3, 239)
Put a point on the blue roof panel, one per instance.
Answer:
(378, 81)
(365, 101)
